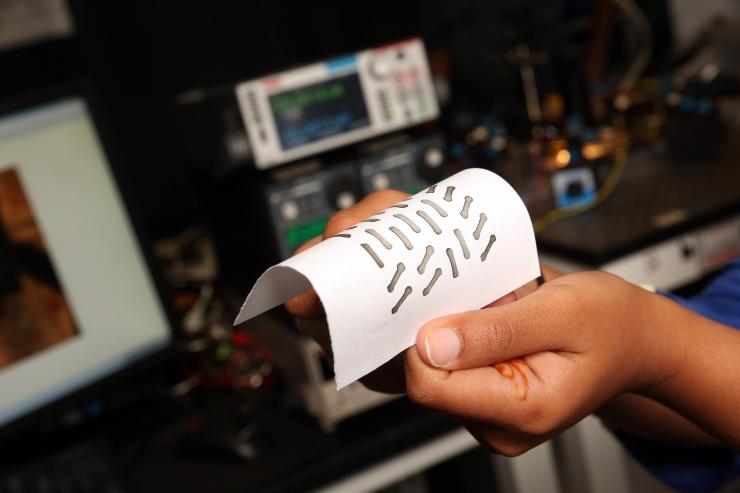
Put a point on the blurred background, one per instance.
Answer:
(156, 157)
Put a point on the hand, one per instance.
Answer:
(309, 312)
(519, 373)
(307, 307)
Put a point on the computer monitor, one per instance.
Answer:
(78, 302)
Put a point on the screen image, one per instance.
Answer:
(315, 112)
(34, 312)
(77, 300)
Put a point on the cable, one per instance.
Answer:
(640, 63)
(620, 162)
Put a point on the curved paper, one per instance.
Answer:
(455, 246)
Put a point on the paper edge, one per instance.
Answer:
(301, 283)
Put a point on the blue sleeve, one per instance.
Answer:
(720, 301)
(689, 469)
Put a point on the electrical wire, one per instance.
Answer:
(615, 175)
(642, 58)
(628, 81)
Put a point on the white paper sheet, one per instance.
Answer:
(455, 246)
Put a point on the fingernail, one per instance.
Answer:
(443, 347)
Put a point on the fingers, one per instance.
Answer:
(506, 443)
(306, 305)
(504, 300)
(509, 396)
(388, 379)
(546, 320)
(372, 204)
(549, 273)
(318, 330)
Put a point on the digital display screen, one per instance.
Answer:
(318, 111)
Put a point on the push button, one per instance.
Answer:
(289, 210)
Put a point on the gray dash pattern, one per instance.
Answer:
(379, 237)
(434, 206)
(411, 224)
(435, 227)
(428, 289)
(374, 255)
(406, 293)
(453, 264)
(404, 239)
(399, 270)
(423, 265)
(491, 241)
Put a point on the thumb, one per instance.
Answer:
(485, 337)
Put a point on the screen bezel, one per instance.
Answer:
(156, 357)
(267, 155)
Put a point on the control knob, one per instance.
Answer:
(431, 164)
(380, 68)
(342, 192)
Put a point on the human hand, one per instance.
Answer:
(518, 373)
(309, 312)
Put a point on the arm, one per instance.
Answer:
(645, 418)
(683, 410)
(701, 382)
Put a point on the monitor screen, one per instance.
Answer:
(315, 112)
(77, 301)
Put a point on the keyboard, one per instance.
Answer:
(82, 469)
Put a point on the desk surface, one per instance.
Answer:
(299, 457)
(656, 199)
